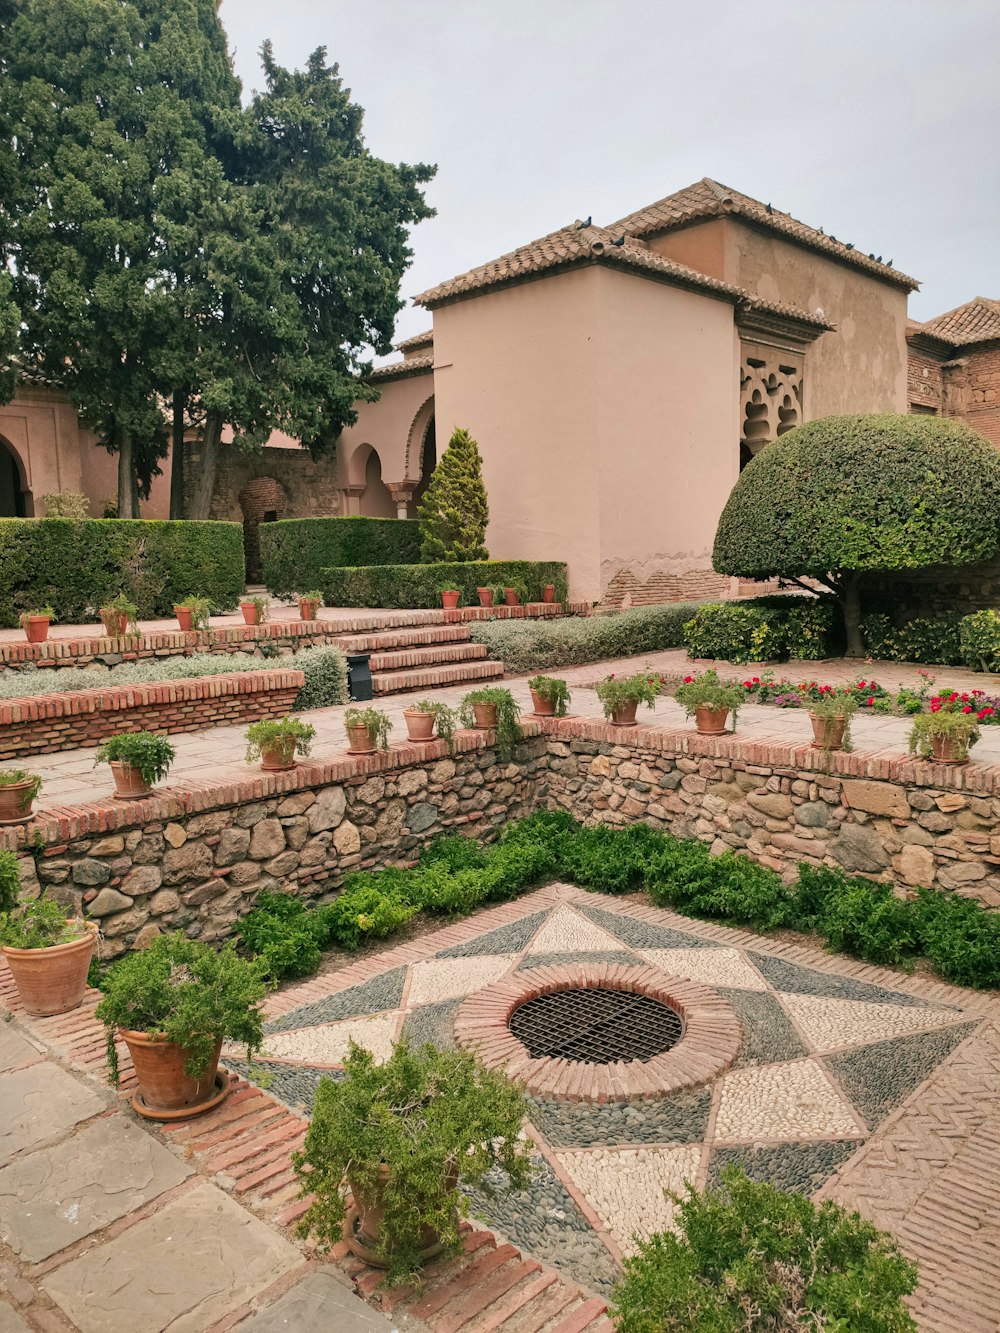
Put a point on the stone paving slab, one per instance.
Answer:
(196, 1260)
(320, 1301)
(11, 1321)
(15, 1049)
(51, 1198)
(40, 1103)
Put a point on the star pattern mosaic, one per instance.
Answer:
(825, 1059)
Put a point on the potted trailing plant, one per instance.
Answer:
(408, 1135)
(47, 952)
(709, 702)
(255, 610)
(621, 696)
(424, 717)
(367, 730)
(549, 697)
(515, 593)
(310, 603)
(138, 759)
(276, 743)
(948, 732)
(173, 1004)
(193, 613)
(18, 790)
(119, 616)
(36, 623)
(493, 709)
(485, 596)
(549, 593)
(830, 715)
(451, 594)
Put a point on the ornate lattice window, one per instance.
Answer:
(770, 397)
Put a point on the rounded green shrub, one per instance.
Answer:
(979, 640)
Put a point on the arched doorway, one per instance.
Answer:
(262, 500)
(428, 462)
(15, 498)
(376, 500)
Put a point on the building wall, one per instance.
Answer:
(924, 389)
(974, 389)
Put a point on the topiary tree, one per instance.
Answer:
(842, 496)
(455, 511)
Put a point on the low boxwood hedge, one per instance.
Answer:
(765, 629)
(76, 565)
(409, 587)
(294, 552)
(524, 646)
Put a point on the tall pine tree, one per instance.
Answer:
(454, 511)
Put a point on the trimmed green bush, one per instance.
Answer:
(925, 639)
(294, 552)
(77, 566)
(454, 511)
(765, 629)
(979, 640)
(543, 645)
(409, 587)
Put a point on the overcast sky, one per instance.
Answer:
(878, 120)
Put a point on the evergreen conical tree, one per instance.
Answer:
(454, 511)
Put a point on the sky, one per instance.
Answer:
(875, 119)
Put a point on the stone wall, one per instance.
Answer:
(48, 723)
(939, 588)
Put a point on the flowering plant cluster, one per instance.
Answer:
(616, 691)
(971, 702)
(707, 691)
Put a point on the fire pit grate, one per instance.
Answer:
(596, 1026)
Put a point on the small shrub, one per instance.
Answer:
(959, 937)
(454, 511)
(150, 754)
(66, 504)
(764, 629)
(924, 639)
(856, 916)
(283, 935)
(979, 640)
(325, 671)
(10, 881)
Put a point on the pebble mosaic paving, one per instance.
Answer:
(825, 1059)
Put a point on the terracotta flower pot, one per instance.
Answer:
(53, 980)
(159, 1071)
(545, 707)
(130, 785)
(419, 725)
(828, 732)
(549, 592)
(946, 750)
(711, 721)
(15, 802)
(486, 716)
(485, 596)
(308, 608)
(251, 613)
(359, 740)
(449, 600)
(276, 758)
(510, 597)
(624, 714)
(183, 614)
(37, 628)
(369, 1209)
(115, 623)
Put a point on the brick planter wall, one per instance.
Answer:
(49, 723)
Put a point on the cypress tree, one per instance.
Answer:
(455, 511)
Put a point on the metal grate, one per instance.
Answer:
(596, 1026)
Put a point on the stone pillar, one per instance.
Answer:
(402, 493)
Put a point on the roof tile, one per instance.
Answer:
(976, 321)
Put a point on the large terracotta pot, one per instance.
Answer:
(184, 615)
(486, 716)
(711, 721)
(37, 628)
(359, 740)
(549, 592)
(251, 614)
(308, 608)
(115, 623)
(369, 1209)
(419, 725)
(945, 750)
(828, 732)
(15, 802)
(130, 785)
(624, 714)
(159, 1071)
(545, 707)
(485, 596)
(510, 597)
(53, 980)
(449, 600)
(276, 758)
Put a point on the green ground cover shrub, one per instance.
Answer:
(979, 640)
(455, 876)
(77, 566)
(765, 629)
(410, 587)
(925, 639)
(295, 551)
(543, 645)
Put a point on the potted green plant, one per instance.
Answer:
(47, 952)
(256, 610)
(424, 718)
(276, 742)
(18, 790)
(549, 593)
(36, 623)
(367, 730)
(119, 616)
(174, 1003)
(948, 732)
(709, 702)
(830, 715)
(193, 613)
(138, 760)
(515, 593)
(408, 1135)
(621, 696)
(310, 603)
(451, 594)
(492, 708)
(485, 596)
(550, 697)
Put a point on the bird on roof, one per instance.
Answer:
(888, 263)
(848, 245)
(620, 240)
(770, 209)
(586, 222)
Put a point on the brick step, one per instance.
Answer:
(387, 640)
(424, 678)
(434, 655)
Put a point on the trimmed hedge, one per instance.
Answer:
(926, 639)
(410, 587)
(979, 640)
(294, 552)
(76, 565)
(765, 629)
(543, 645)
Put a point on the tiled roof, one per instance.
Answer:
(416, 365)
(425, 339)
(707, 199)
(580, 244)
(975, 322)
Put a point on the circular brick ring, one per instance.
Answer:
(708, 1046)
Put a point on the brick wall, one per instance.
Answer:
(981, 382)
(923, 380)
(48, 723)
(959, 382)
(694, 585)
(940, 588)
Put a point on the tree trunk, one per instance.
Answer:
(177, 456)
(128, 506)
(203, 487)
(851, 603)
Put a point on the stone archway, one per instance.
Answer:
(262, 500)
(376, 499)
(428, 462)
(16, 500)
